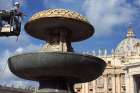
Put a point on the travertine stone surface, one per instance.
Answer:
(58, 13)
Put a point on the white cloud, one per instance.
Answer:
(8, 4)
(106, 14)
(137, 2)
(6, 75)
(5, 4)
(19, 50)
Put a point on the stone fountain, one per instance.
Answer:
(56, 67)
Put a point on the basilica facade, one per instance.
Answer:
(122, 74)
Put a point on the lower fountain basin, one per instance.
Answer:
(44, 66)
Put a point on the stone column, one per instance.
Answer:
(113, 84)
(83, 88)
(105, 84)
(127, 82)
(86, 88)
(131, 85)
(118, 83)
(94, 86)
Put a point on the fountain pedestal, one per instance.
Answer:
(56, 86)
(56, 67)
(58, 40)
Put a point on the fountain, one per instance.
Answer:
(56, 66)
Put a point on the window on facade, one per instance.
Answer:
(90, 84)
(100, 82)
(123, 79)
(90, 91)
(122, 61)
(110, 89)
(123, 88)
(123, 82)
(109, 62)
(78, 90)
(109, 82)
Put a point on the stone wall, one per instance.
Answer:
(14, 90)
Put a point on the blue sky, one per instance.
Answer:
(109, 17)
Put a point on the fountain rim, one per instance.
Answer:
(78, 78)
(58, 52)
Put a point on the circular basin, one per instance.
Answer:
(44, 22)
(40, 28)
(52, 65)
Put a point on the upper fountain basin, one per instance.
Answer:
(42, 22)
